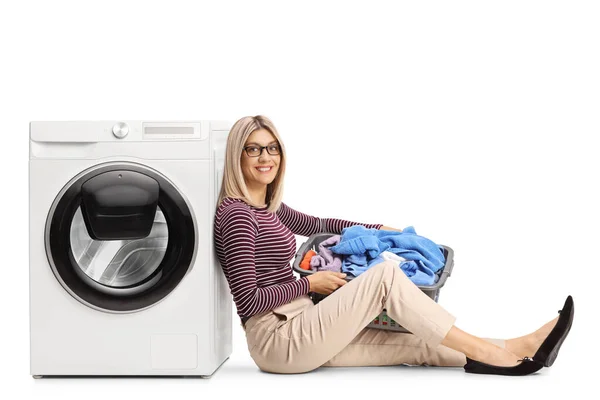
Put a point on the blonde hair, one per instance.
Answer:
(233, 184)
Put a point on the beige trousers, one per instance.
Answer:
(300, 336)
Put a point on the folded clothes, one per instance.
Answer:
(362, 246)
(325, 260)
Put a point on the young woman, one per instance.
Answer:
(287, 333)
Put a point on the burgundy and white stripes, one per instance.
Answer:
(255, 247)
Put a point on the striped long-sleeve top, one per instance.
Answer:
(255, 247)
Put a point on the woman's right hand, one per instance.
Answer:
(325, 282)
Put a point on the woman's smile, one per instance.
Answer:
(265, 169)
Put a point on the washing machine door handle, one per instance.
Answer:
(119, 205)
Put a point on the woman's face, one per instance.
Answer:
(255, 177)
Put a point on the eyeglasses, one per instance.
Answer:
(255, 151)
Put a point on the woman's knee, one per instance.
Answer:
(386, 268)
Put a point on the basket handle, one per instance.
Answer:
(451, 257)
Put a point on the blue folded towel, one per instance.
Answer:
(362, 246)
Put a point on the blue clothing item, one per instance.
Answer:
(362, 246)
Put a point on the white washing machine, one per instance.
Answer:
(124, 279)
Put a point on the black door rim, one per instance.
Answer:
(178, 262)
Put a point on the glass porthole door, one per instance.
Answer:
(120, 237)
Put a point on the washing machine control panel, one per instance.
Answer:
(120, 130)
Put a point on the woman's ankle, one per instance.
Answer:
(491, 354)
(522, 346)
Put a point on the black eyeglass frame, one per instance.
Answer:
(264, 147)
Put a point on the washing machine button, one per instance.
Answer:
(120, 130)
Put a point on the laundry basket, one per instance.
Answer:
(382, 321)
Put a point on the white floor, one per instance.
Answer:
(238, 376)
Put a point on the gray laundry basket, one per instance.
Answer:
(382, 321)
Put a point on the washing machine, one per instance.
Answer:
(124, 279)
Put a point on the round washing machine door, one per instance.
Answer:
(120, 237)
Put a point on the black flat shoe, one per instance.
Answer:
(548, 351)
(526, 367)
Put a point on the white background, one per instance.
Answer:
(473, 121)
